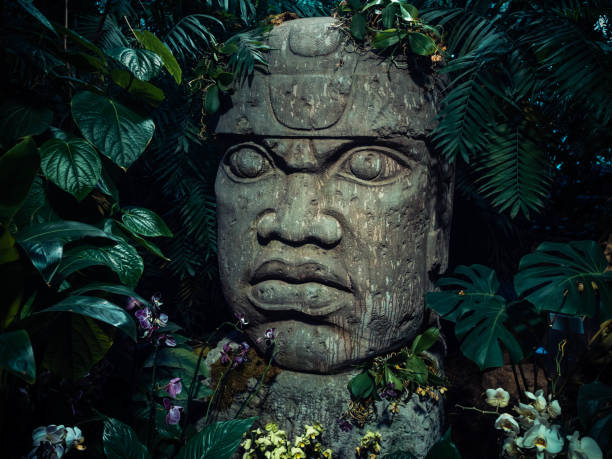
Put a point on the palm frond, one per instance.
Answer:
(244, 9)
(303, 8)
(249, 54)
(190, 35)
(515, 172)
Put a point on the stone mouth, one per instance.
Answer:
(305, 272)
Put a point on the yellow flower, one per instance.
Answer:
(328, 453)
(271, 427)
(246, 444)
(297, 453)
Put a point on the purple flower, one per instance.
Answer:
(132, 303)
(389, 392)
(268, 337)
(174, 387)
(173, 416)
(238, 360)
(225, 353)
(156, 300)
(241, 319)
(345, 426)
(144, 318)
(168, 340)
(162, 320)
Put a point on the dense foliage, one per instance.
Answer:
(106, 189)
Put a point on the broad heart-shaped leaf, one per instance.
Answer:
(361, 386)
(122, 258)
(387, 38)
(444, 449)
(18, 120)
(480, 315)
(18, 168)
(44, 243)
(16, 355)
(96, 308)
(144, 222)
(143, 64)
(358, 26)
(568, 278)
(75, 344)
(216, 441)
(421, 44)
(180, 358)
(425, 340)
(121, 442)
(115, 289)
(115, 130)
(74, 166)
(144, 90)
(152, 43)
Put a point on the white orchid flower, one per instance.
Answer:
(587, 448)
(507, 423)
(545, 439)
(554, 409)
(539, 402)
(527, 414)
(509, 447)
(497, 397)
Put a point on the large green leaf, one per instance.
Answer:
(44, 243)
(152, 43)
(115, 289)
(211, 100)
(422, 44)
(74, 166)
(425, 340)
(16, 355)
(115, 130)
(96, 308)
(144, 222)
(28, 5)
(143, 64)
(75, 344)
(144, 90)
(121, 442)
(18, 168)
(18, 120)
(184, 359)
(216, 441)
(479, 313)
(358, 26)
(387, 38)
(122, 258)
(148, 245)
(361, 386)
(568, 278)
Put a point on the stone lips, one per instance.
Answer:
(319, 85)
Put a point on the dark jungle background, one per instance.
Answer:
(107, 168)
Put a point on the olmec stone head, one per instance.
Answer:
(332, 209)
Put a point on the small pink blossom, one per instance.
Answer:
(174, 387)
(173, 416)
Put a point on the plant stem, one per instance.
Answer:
(212, 397)
(473, 408)
(259, 384)
(194, 380)
(518, 384)
(524, 379)
(152, 406)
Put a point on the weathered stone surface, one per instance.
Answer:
(296, 399)
(332, 210)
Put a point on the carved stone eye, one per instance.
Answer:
(366, 165)
(374, 165)
(247, 162)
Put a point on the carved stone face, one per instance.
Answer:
(331, 208)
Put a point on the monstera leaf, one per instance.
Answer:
(479, 313)
(567, 278)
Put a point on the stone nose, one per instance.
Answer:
(299, 217)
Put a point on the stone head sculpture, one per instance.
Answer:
(332, 209)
